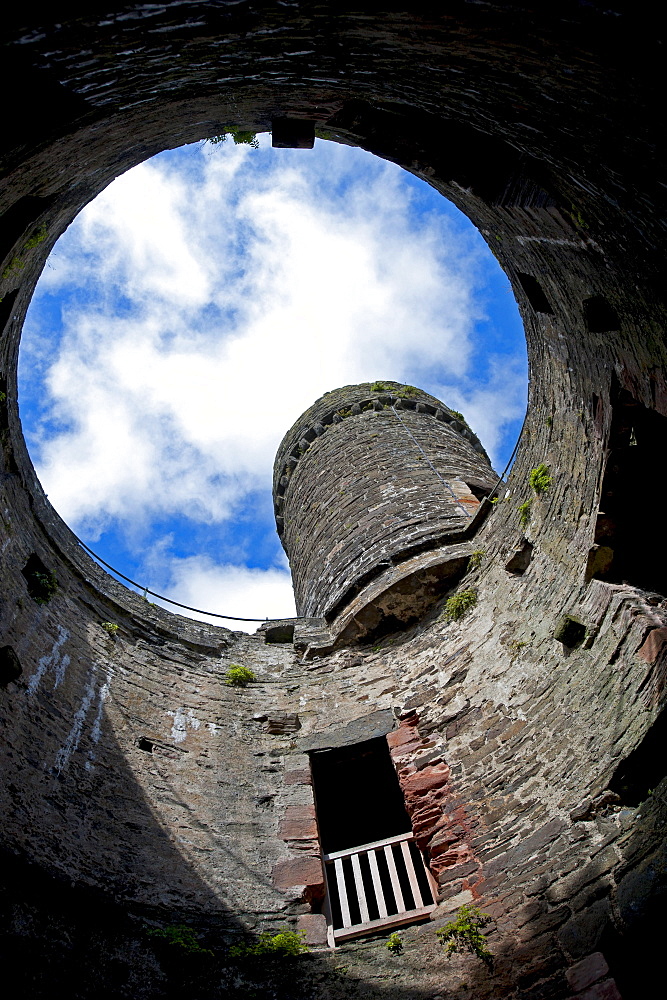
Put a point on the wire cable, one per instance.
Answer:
(212, 614)
(509, 461)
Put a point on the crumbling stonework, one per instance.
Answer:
(139, 790)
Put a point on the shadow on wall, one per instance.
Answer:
(64, 940)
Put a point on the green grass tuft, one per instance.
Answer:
(475, 560)
(239, 677)
(179, 936)
(459, 604)
(284, 944)
(395, 943)
(539, 478)
(524, 513)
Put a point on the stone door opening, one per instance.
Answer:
(375, 874)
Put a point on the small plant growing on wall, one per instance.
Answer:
(109, 627)
(284, 944)
(395, 943)
(18, 263)
(179, 936)
(42, 585)
(459, 604)
(239, 677)
(240, 137)
(539, 479)
(406, 391)
(524, 513)
(465, 935)
(475, 560)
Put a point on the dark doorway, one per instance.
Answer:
(637, 777)
(631, 543)
(357, 795)
(635, 957)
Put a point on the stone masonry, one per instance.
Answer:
(139, 791)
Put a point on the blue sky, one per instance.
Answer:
(201, 303)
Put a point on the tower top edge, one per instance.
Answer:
(341, 399)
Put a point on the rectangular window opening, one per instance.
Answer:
(376, 875)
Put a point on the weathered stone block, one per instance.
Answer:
(587, 971)
(654, 644)
(428, 779)
(568, 887)
(298, 777)
(581, 934)
(314, 926)
(401, 736)
(280, 723)
(306, 870)
(298, 829)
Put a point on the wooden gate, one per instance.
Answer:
(377, 885)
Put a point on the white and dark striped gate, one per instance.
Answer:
(383, 884)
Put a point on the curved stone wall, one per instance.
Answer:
(368, 479)
(532, 773)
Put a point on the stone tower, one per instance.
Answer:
(377, 491)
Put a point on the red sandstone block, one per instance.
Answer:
(315, 927)
(300, 812)
(605, 990)
(426, 780)
(409, 718)
(422, 821)
(587, 971)
(404, 734)
(306, 870)
(405, 748)
(428, 816)
(298, 829)
(430, 799)
(653, 645)
(298, 778)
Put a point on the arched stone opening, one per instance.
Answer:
(539, 130)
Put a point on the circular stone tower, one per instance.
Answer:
(377, 491)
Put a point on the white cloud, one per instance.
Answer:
(231, 590)
(489, 407)
(206, 302)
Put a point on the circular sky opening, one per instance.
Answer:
(202, 302)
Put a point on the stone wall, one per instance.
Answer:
(137, 787)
